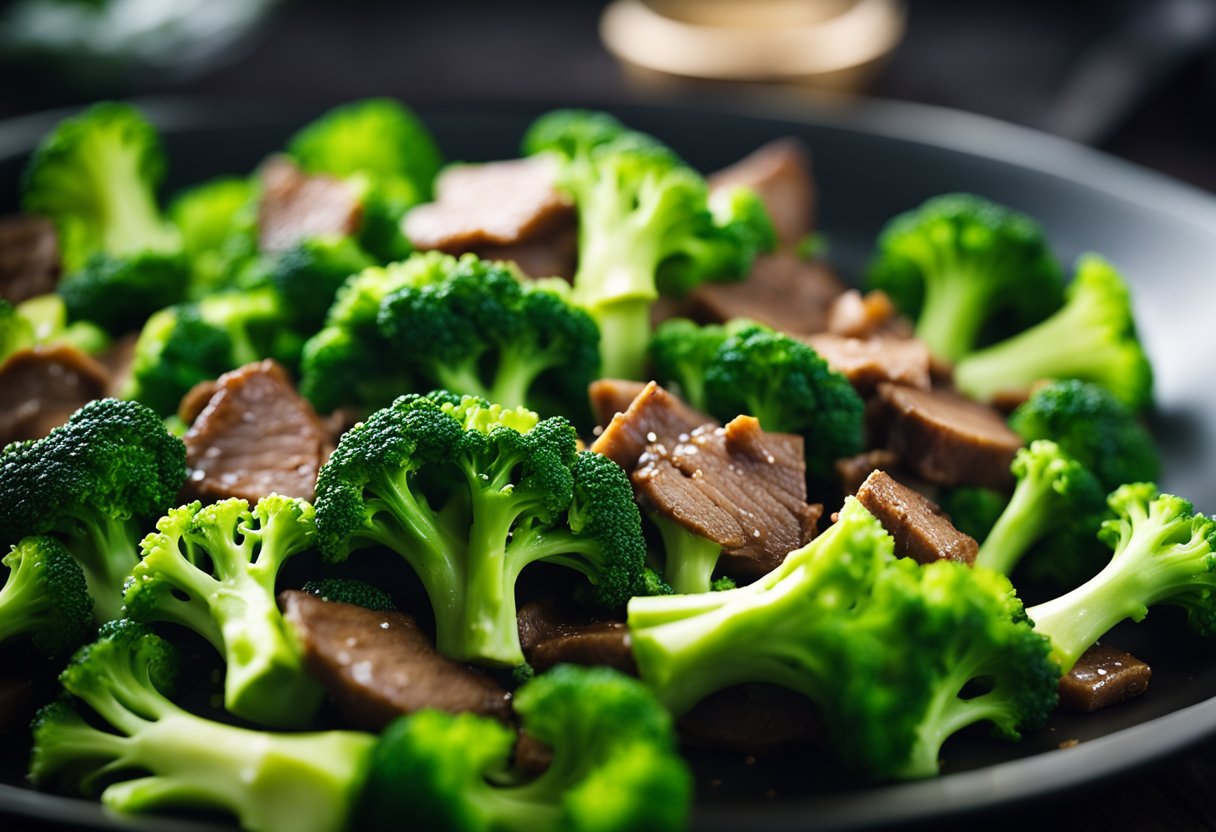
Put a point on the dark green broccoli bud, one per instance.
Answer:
(689, 560)
(218, 224)
(958, 263)
(972, 509)
(722, 584)
(45, 597)
(192, 342)
(1056, 501)
(897, 656)
(483, 332)
(93, 482)
(1092, 338)
(469, 494)
(230, 600)
(522, 674)
(351, 591)
(119, 293)
(646, 226)
(614, 763)
(309, 274)
(652, 583)
(680, 350)
(143, 753)
(1093, 427)
(1163, 554)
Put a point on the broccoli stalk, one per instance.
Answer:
(1092, 337)
(1163, 554)
(152, 755)
(898, 656)
(689, 560)
(614, 763)
(45, 597)
(92, 482)
(232, 604)
(1055, 495)
(469, 494)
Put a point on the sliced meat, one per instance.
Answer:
(738, 486)
(296, 205)
(493, 204)
(864, 316)
(1102, 677)
(555, 254)
(118, 359)
(853, 470)
(42, 386)
(532, 756)
(254, 436)
(29, 258)
(379, 665)
(945, 438)
(654, 415)
(868, 362)
(195, 400)
(551, 633)
(780, 172)
(782, 291)
(922, 531)
(752, 718)
(610, 396)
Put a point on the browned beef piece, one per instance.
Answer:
(780, 172)
(782, 291)
(531, 755)
(864, 316)
(41, 387)
(868, 362)
(29, 257)
(922, 531)
(379, 665)
(118, 359)
(1102, 677)
(752, 718)
(552, 634)
(555, 254)
(610, 396)
(945, 438)
(494, 204)
(654, 415)
(255, 435)
(853, 470)
(738, 486)
(296, 205)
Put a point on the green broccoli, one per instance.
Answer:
(143, 753)
(646, 226)
(1163, 554)
(45, 597)
(614, 766)
(759, 372)
(972, 509)
(218, 224)
(350, 591)
(47, 317)
(958, 264)
(309, 274)
(95, 176)
(898, 656)
(689, 560)
(231, 600)
(1093, 427)
(469, 494)
(1053, 517)
(93, 482)
(16, 332)
(1092, 337)
(484, 332)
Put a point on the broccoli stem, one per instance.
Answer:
(132, 221)
(106, 551)
(624, 336)
(953, 312)
(1024, 520)
(519, 365)
(689, 560)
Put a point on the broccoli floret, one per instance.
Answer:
(652, 583)
(351, 591)
(973, 509)
(614, 764)
(16, 332)
(469, 494)
(646, 226)
(1163, 554)
(213, 569)
(45, 597)
(689, 560)
(1092, 337)
(192, 342)
(746, 368)
(93, 482)
(309, 274)
(483, 332)
(959, 263)
(898, 656)
(143, 753)
(1058, 502)
(95, 176)
(218, 225)
(1093, 427)
(47, 319)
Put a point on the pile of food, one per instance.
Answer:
(363, 491)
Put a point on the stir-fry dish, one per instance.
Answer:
(368, 491)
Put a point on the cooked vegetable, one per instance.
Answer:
(45, 597)
(689, 560)
(350, 591)
(309, 274)
(470, 493)
(218, 224)
(44, 318)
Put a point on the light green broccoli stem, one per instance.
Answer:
(954, 310)
(624, 335)
(23, 601)
(105, 550)
(127, 210)
(689, 559)
(1025, 519)
(519, 365)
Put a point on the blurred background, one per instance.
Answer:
(1134, 77)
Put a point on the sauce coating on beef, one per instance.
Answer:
(1102, 677)
(42, 386)
(922, 531)
(29, 257)
(653, 415)
(552, 634)
(855, 315)
(782, 291)
(296, 206)
(868, 362)
(610, 396)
